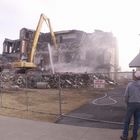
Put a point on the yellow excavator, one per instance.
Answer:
(29, 63)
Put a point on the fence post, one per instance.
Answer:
(27, 100)
(60, 99)
(1, 91)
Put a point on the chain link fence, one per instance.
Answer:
(55, 95)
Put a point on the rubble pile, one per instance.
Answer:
(6, 79)
(68, 80)
(63, 80)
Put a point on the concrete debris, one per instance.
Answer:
(64, 80)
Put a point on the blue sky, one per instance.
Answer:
(121, 17)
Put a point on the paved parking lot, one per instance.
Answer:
(103, 114)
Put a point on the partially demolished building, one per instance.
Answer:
(79, 59)
(77, 51)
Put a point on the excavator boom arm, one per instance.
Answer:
(37, 32)
(30, 62)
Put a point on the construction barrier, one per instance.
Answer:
(60, 95)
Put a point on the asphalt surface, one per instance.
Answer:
(107, 112)
(21, 129)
